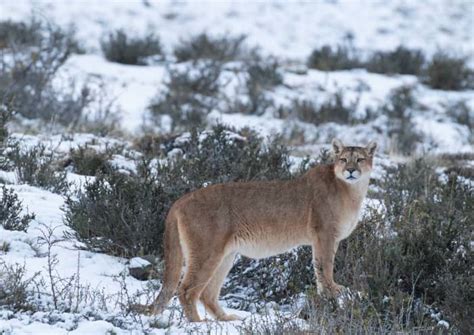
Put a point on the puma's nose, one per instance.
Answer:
(351, 170)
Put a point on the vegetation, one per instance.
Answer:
(443, 71)
(10, 211)
(334, 109)
(328, 59)
(399, 110)
(32, 54)
(401, 60)
(38, 167)
(203, 46)
(447, 72)
(120, 48)
(190, 95)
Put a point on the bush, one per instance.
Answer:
(155, 145)
(16, 34)
(36, 167)
(327, 59)
(190, 95)
(87, 161)
(447, 72)
(222, 49)
(461, 113)
(120, 48)
(124, 215)
(401, 129)
(118, 214)
(262, 76)
(5, 115)
(10, 210)
(401, 60)
(431, 220)
(14, 287)
(26, 78)
(332, 110)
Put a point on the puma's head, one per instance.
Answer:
(353, 164)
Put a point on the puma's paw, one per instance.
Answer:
(336, 289)
(142, 309)
(229, 317)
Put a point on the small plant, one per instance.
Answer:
(461, 113)
(26, 77)
(190, 95)
(10, 210)
(120, 215)
(328, 59)
(121, 48)
(401, 60)
(222, 49)
(36, 167)
(332, 110)
(447, 72)
(14, 286)
(89, 162)
(401, 128)
(5, 115)
(262, 76)
(5, 247)
(15, 34)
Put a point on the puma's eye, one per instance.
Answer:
(343, 160)
(360, 160)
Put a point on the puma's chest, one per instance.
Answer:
(347, 224)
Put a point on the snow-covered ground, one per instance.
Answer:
(287, 30)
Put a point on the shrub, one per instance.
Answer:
(26, 78)
(119, 214)
(262, 76)
(87, 161)
(401, 60)
(14, 286)
(222, 49)
(36, 167)
(333, 109)
(5, 115)
(120, 48)
(10, 210)
(400, 126)
(155, 145)
(15, 34)
(461, 113)
(327, 59)
(431, 220)
(125, 215)
(447, 72)
(190, 95)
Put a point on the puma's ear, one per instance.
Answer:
(337, 146)
(370, 148)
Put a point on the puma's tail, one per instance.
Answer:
(173, 264)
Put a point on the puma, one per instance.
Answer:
(207, 228)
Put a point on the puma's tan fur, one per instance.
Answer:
(205, 229)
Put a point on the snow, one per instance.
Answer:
(137, 262)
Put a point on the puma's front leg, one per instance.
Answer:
(324, 252)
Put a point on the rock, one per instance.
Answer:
(140, 268)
